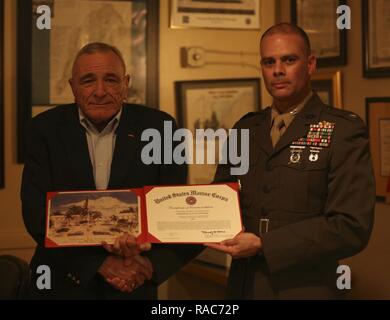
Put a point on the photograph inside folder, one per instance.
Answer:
(79, 218)
(157, 214)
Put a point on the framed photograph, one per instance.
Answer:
(328, 87)
(217, 14)
(45, 56)
(376, 40)
(214, 104)
(328, 43)
(378, 122)
(1, 95)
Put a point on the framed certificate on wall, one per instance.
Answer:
(1, 96)
(216, 14)
(376, 39)
(214, 104)
(328, 43)
(378, 122)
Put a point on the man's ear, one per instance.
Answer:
(311, 64)
(127, 81)
(126, 86)
(71, 86)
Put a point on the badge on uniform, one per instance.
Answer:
(314, 152)
(296, 151)
(318, 137)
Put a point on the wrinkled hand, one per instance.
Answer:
(126, 274)
(126, 246)
(243, 245)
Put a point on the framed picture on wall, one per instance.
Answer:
(378, 122)
(213, 104)
(328, 87)
(376, 40)
(45, 56)
(233, 14)
(328, 43)
(1, 96)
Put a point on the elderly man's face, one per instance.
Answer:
(99, 86)
(286, 67)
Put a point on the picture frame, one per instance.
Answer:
(239, 14)
(328, 43)
(217, 103)
(376, 42)
(328, 86)
(44, 67)
(378, 125)
(2, 142)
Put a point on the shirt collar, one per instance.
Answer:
(109, 128)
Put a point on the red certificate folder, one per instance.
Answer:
(156, 214)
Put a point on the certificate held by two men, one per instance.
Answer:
(156, 214)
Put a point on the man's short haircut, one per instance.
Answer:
(99, 47)
(288, 28)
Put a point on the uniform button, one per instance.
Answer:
(266, 189)
(69, 275)
(269, 167)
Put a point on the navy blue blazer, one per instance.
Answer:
(58, 160)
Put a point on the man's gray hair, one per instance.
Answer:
(94, 47)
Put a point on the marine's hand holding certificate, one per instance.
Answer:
(157, 214)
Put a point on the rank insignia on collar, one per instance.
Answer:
(319, 135)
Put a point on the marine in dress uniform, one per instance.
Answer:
(311, 206)
(308, 197)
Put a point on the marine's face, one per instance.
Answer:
(99, 85)
(286, 67)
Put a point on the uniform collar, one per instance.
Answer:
(289, 116)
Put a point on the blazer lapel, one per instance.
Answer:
(260, 132)
(300, 126)
(126, 148)
(77, 154)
